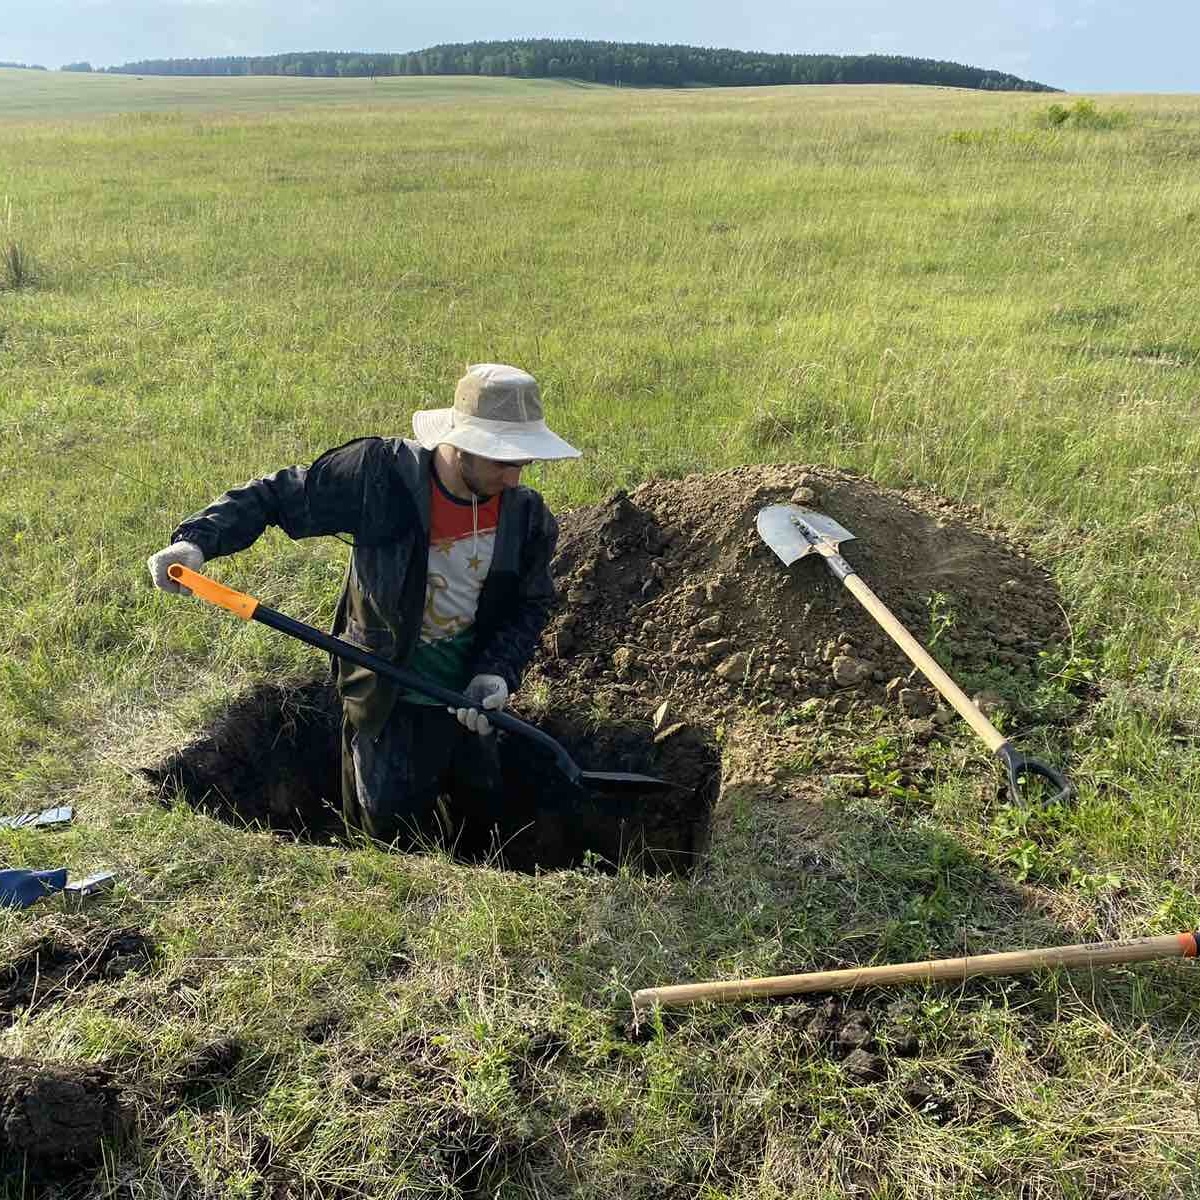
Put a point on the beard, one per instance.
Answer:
(466, 468)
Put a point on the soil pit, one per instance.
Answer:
(272, 759)
(675, 620)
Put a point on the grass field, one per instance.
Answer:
(204, 280)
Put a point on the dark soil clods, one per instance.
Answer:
(476, 1158)
(55, 1118)
(58, 963)
(323, 1026)
(200, 1074)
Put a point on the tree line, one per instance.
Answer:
(638, 64)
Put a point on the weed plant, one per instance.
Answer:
(1081, 114)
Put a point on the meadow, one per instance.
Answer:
(205, 280)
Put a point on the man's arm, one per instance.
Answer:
(325, 498)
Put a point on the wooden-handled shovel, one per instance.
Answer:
(945, 970)
(792, 531)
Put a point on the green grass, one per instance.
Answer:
(54, 94)
(226, 276)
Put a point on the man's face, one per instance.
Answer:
(487, 476)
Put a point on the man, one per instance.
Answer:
(449, 576)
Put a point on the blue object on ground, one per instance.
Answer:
(21, 888)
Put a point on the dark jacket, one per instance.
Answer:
(377, 491)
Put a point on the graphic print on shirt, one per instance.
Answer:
(462, 537)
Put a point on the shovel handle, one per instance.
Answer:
(926, 663)
(1016, 764)
(954, 970)
(248, 608)
(238, 603)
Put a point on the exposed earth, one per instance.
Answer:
(683, 649)
(677, 625)
(670, 590)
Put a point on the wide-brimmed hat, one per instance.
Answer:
(497, 414)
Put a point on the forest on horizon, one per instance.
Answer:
(619, 63)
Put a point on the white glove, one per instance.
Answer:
(491, 692)
(187, 553)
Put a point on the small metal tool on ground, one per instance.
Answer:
(792, 532)
(92, 885)
(61, 815)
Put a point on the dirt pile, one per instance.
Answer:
(676, 618)
(670, 592)
(54, 1119)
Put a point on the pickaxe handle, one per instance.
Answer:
(951, 970)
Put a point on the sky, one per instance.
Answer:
(1078, 45)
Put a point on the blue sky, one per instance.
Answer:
(1081, 45)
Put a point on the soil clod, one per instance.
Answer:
(205, 1069)
(53, 1117)
(59, 963)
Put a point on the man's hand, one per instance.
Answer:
(490, 692)
(187, 553)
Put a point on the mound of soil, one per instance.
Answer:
(670, 589)
(53, 1119)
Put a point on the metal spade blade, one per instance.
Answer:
(792, 531)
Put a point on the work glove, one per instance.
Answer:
(187, 553)
(489, 692)
(21, 888)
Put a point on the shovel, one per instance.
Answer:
(792, 531)
(248, 608)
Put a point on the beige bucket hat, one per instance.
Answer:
(497, 414)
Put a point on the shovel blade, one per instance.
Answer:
(781, 527)
(623, 781)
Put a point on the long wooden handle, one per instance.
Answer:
(922, 659)
(1098, 954)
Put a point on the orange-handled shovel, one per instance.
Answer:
(249, 609)
(945, 970)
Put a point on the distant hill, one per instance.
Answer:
(632, 63)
